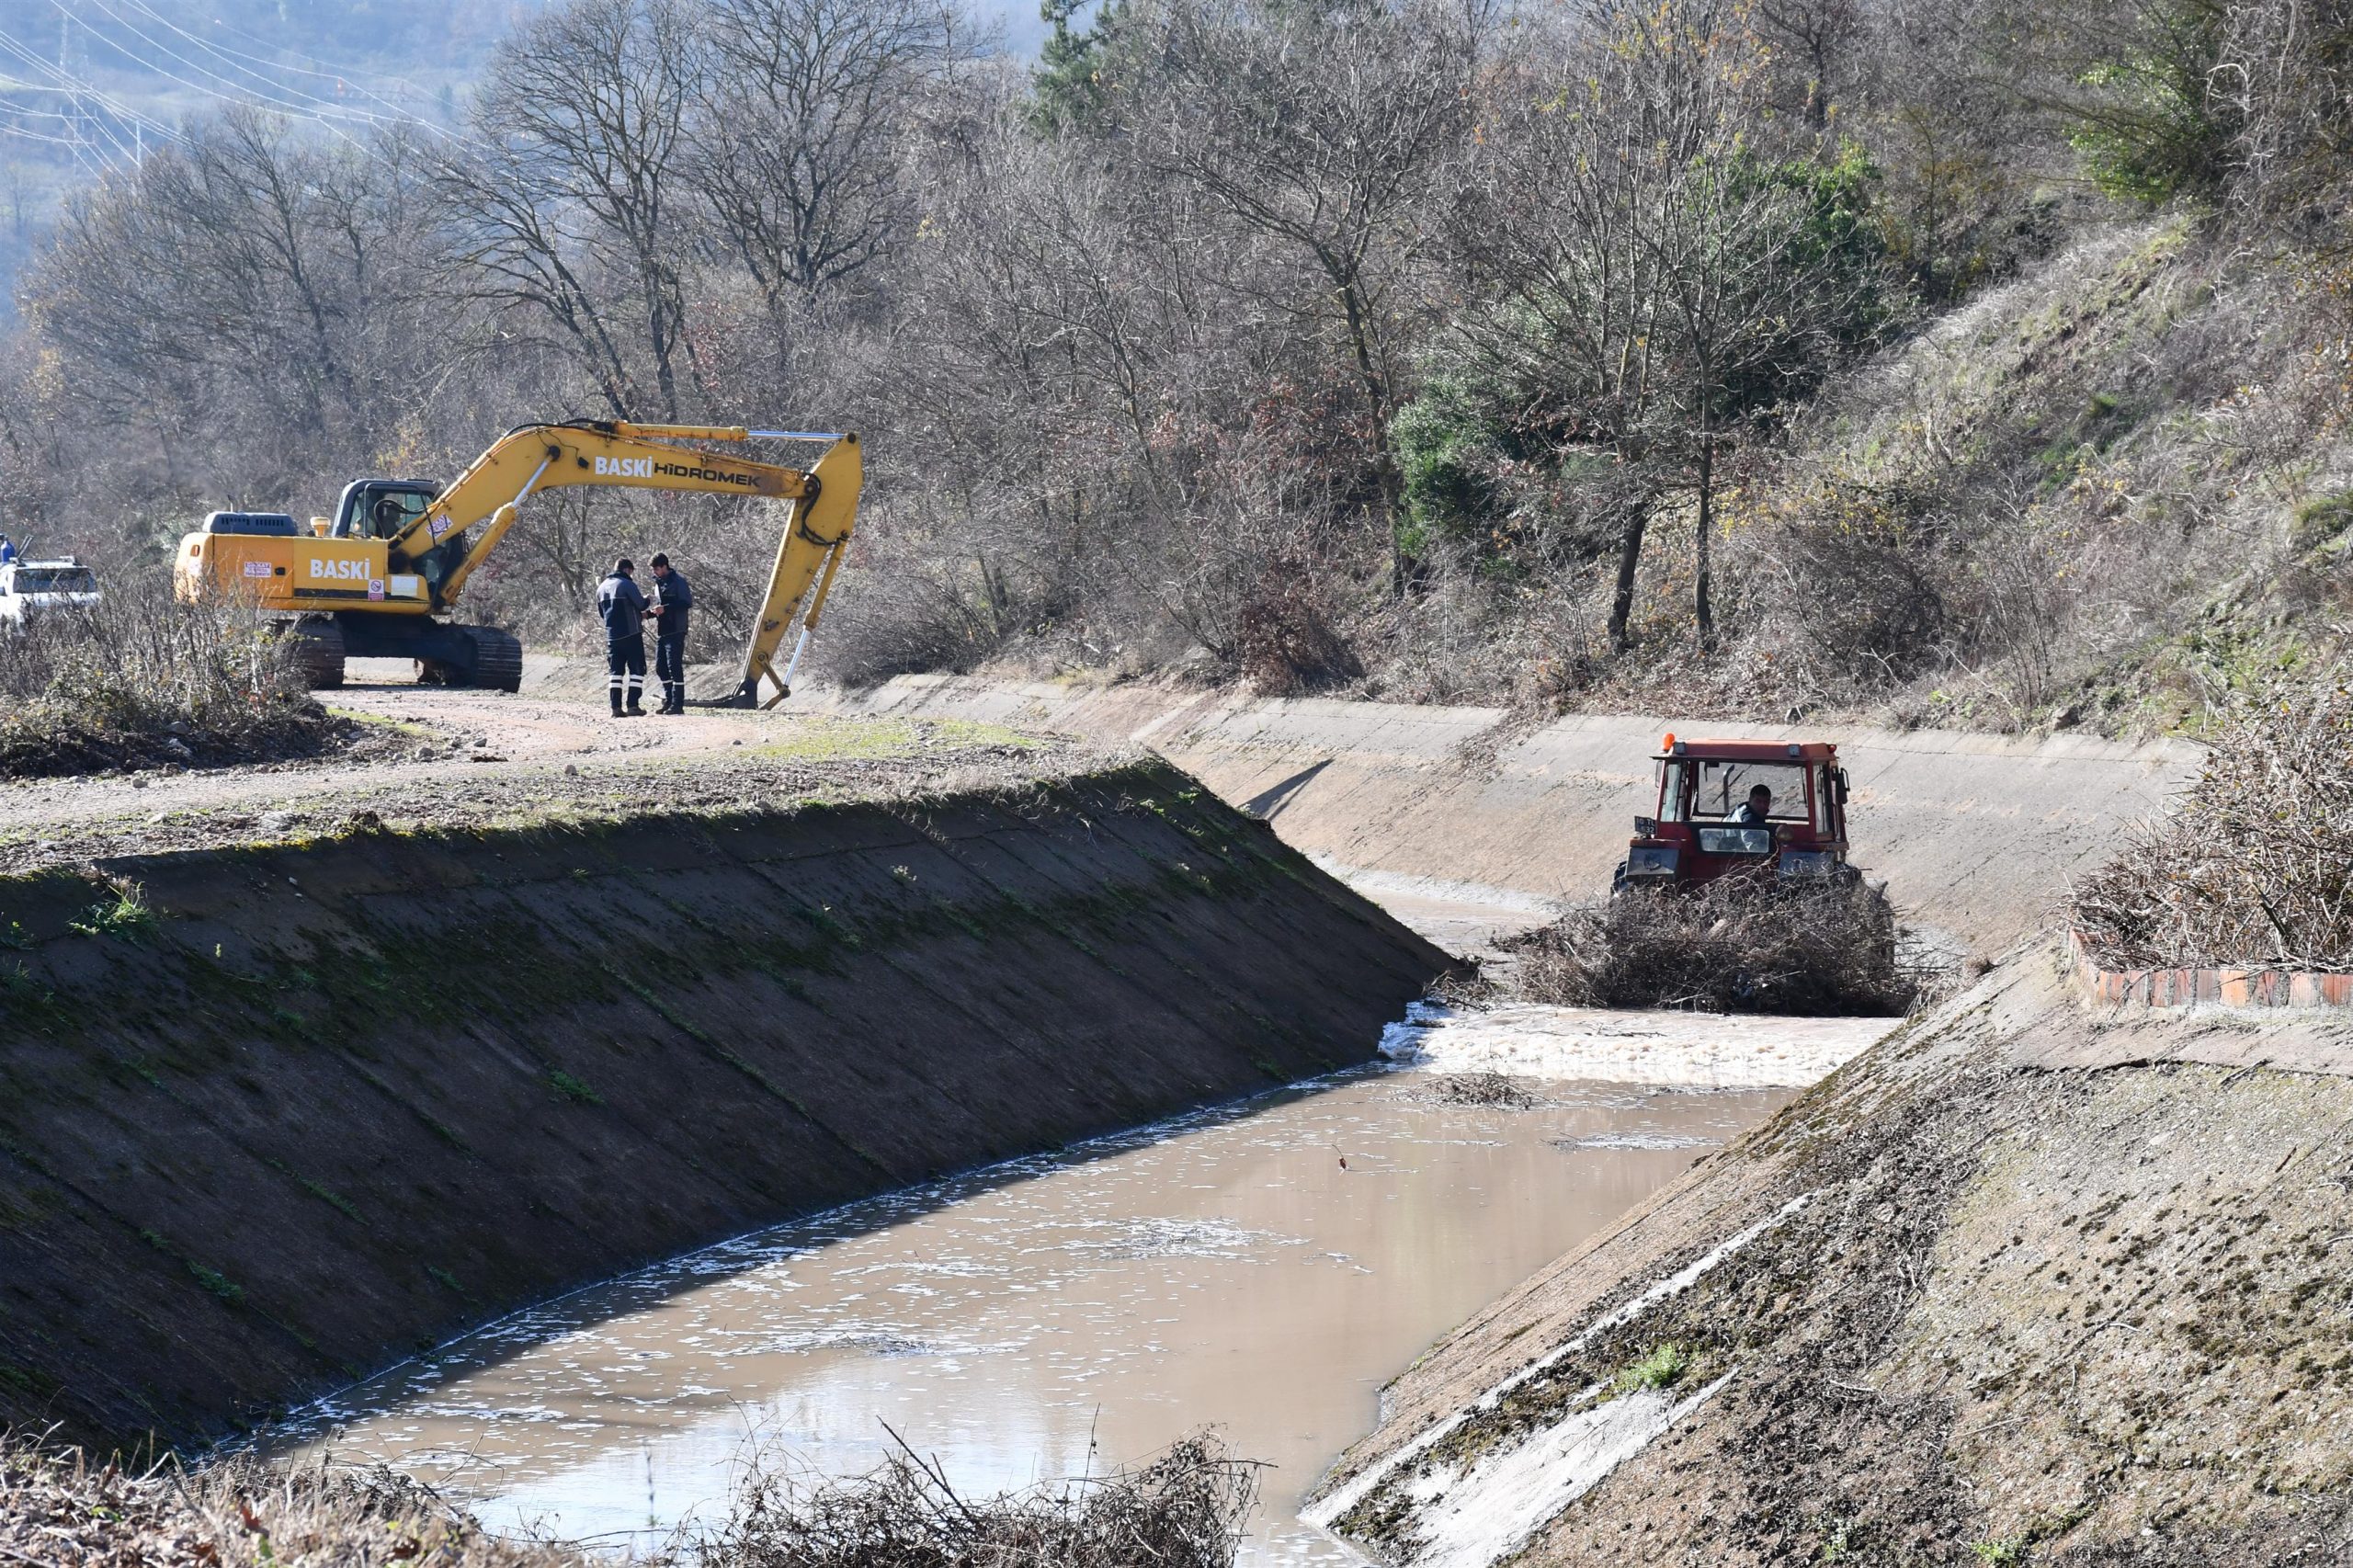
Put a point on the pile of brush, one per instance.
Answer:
(1749, 943)
(2255, 867)
(1184, 1509)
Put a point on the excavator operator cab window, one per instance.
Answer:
(381, 511)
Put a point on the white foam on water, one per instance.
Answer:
(1680, 1050)
(1638, 1141)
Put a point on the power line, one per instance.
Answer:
(249, 99)
(326, 73)
(75, 89)
(237, 87)
(74, 92)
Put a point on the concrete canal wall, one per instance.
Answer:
(296, 1111)
(1974, 835)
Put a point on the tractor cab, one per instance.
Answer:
(1729, 806)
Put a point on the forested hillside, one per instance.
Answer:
(1982, 361)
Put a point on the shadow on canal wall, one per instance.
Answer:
(302, 1110)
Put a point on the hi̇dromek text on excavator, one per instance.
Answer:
(377, 579)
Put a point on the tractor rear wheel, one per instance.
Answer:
(316, 644)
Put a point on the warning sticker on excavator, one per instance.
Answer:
(375, 587)
(256, 568)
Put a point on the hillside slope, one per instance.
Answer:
(2099, 496)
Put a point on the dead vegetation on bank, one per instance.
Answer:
(1744, 944)
(138, 681)
(1184, 1508)
(2255, 867)
(59, 1506)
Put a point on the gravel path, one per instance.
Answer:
(444, 758)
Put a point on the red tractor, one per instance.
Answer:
(1731, 806)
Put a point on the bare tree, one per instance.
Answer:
(588, 106)
(1660, 280)
(1320, 128)
(1811, 45)
(255, 278)
(802, 129)
(512, 248)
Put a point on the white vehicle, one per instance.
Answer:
(30, 587)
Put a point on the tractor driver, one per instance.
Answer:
(1759, 809)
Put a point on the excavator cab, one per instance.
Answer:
(381, 508)
(387, 508)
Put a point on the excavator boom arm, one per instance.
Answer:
(822, 509)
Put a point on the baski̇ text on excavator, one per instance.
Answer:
(380, 578)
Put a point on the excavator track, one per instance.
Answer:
(498, 659)
(496, 666)
(317, 644)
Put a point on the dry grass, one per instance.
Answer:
(1184, 1509)
(2255, 870)
(60, 1508)
(1746, 944)
(139, 681)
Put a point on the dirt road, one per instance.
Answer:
(437, 757)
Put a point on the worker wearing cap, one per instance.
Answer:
(622, 606)
(674, 600)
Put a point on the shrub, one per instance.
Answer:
(60, 1506)
(1448, 448)
(127, 916)
(140, 681)
(1663, 1369)
(2154, 125)
(1742, 944)
(2254, 866)
(1284, 639)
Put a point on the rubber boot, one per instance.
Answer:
(617, 702)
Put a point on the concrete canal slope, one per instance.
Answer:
(1975, 835)
(1966, 1300)
(301, 1109)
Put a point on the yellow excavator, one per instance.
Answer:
(379, 578)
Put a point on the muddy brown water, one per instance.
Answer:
(1262, 1269)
